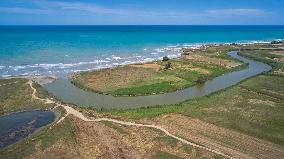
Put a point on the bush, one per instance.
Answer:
(165, 58)
(168, 66)
(202, 79)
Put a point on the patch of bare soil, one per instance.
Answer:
(227, 141)
(99, 140)
(281, 52)
(148, 65)
(43, 79)
(212, 61)
(190, 67)
(200, 70)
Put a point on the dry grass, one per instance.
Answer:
(212, 61)
(100, 140)
(224, 140)
(114, 78)
(16, 95)
(152, 78)
(149, 65)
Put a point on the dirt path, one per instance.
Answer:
(72, 111)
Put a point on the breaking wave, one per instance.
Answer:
(63, 69)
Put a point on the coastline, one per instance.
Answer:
(64, 70)
(177, 49)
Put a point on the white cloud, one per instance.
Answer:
(23, 10)
(80, 8)
(237, 11)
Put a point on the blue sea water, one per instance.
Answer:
(59, 50)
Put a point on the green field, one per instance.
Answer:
(16, 96)
(254, 107)
(142, 80)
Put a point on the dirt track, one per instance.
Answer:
(72, 111)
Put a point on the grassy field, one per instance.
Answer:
(152, 78)
(16, 96)
(165, 155)
(254, 107)
(266, 57)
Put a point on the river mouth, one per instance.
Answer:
(67, 92)
(16, 126)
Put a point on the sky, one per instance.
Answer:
(141, 12)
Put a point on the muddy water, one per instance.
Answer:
(69, 93)
(16, 126)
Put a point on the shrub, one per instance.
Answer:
(165, 58)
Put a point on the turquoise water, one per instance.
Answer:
(43, 50)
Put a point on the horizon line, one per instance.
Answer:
(141, 24)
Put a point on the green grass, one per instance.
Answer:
(150, 112)
(165, 155)
(16, 96)
(247, 108)
(168, 140)
(254, 107)
(49, 137)
(146, 89)
(145, 81)
(187, 148)
(265, 57)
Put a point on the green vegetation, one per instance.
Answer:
(16, 95)
(64, 131)
(165, 155)
(254, 107)
(153, 78)
(187, 148)
(45, 137)
(268, 58)
(168, 140)
(245, 108)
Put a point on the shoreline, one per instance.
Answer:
(177, 50)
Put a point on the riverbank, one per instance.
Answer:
(242, 121)
(21, 114)
(77, 114)
(243, 107)
(168, 75)
(69, 93)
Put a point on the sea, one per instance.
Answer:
(61, 50)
